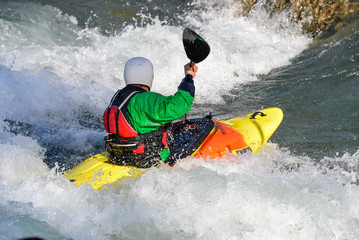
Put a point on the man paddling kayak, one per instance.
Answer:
(136, 118)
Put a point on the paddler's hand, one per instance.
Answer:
(190, 69)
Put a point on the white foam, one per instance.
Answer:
(241, 48)
(272, 195)
(20, 157)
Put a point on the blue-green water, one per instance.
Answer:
(60, 64)
(317, 92)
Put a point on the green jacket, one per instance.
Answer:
(148, 111)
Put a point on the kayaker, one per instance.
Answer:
(136, 119)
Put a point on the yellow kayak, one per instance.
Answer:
(235, 135)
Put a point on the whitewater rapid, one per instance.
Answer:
(57, 75)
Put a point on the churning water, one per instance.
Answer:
(60, 64)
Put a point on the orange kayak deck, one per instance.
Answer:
(222, 140)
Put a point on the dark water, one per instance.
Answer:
(60, 64)
(318, 94)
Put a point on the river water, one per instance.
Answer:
(60, 64)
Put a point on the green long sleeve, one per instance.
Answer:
(149, 111)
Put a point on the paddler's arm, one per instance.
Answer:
(187, 83)
(174, 107)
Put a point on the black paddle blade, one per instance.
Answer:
(197, 49)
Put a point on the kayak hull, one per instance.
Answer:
(235, 135)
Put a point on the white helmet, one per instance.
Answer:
(138, 70)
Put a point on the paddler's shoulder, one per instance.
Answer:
(150, 95)
(154, 97)
(147, 97)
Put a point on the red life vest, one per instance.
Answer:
(116, 118)
(124, 144)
